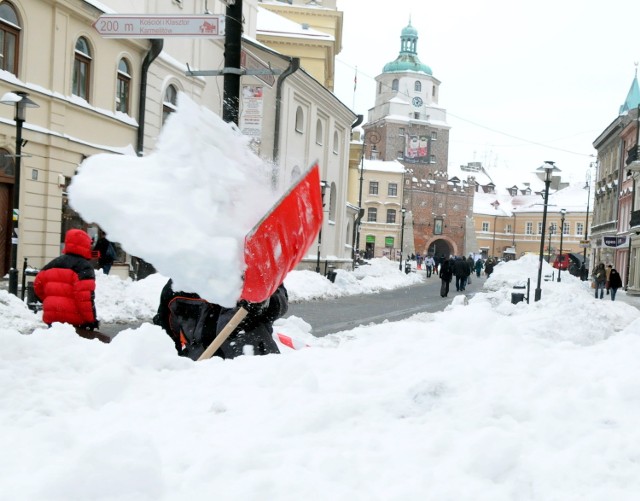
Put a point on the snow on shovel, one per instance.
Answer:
(276, 245)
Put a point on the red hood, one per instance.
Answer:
(77, 242)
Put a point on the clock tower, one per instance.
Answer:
(411, 127)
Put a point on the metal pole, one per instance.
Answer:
(561, 234)
(547, 182)
(586, 224)
(360, 210)
(15, 219)
(232, 55)
(402, 238)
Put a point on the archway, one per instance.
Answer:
(439, 246)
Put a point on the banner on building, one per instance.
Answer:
(250, 122)
(416, 147)
(614, 241)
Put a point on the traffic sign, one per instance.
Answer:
(159, 26)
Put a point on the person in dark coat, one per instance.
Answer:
(461, 272)
(66, 285)
(107, 252)
(446, 274)
(193, 323)
(615, 282)
(488, 267)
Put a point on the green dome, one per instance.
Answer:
(407, 60)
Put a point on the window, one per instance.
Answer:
(332, 202)
(372, 215)
(319, 132)
(434, 135)
(7, 164)
(417, 86)
(392, 189)
(401, 131)
(9, 38)
(433, 91)
(400, 155)
(539, 228)
(566, 228)
(170, 102)
(432, 159)
(336, 142)
(391, 216)
(123, 86)
(485, 226)
(299, 120)
(416, 115)
(81, 69)
(507, 228)
(579, 229)
(373, 187)
(528, 230)
(394, 84)
(379, 87)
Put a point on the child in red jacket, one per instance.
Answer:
(66, 285)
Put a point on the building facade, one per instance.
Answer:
(112, 95)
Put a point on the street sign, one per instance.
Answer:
(585, 243)
(159, 26)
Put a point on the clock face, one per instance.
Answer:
(417, 101)
(374, 137)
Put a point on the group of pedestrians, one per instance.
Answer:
(606, 279)
(462, 269)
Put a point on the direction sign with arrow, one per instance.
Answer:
(159, 26)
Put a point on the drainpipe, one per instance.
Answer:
(154, 51)
(294, 66)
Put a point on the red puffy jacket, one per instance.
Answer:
(66, 285)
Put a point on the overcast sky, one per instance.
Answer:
(522, 82)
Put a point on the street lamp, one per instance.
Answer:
(563, 213)
(548, 168)
(21, 102)
(552, 230)
(585, 273)
(403, 210)
(323, 186)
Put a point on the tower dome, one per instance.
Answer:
(407, 59)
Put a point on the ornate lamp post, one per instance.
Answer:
(552, 230)
(21, 102)
(584, 275)
(403, 210)
(548, 168)
(563, 213)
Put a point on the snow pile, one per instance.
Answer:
(187, 207)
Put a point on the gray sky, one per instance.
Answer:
(522, 82)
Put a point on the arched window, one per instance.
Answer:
(170, 102)
(336, 142)
(417, 86)
(332, 203)
(394, 84)
(123, 86)
(9, 38)
(319, 132)
(299, 120)
(81, 69)
(379, 87)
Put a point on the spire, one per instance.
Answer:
(633, 97)
(407, 59)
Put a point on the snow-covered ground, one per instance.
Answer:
(484, 401)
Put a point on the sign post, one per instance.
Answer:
(160, 26)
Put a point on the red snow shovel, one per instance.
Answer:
(276, 245)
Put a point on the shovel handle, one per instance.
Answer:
(224, 334)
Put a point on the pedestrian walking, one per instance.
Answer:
(608, 271)
(107, 252)
(599, 276)
(488, 267)
(446, 274)
(461, 272)
(478, 266)
(429, 264)
(66, 284)
(615, 282)
(470, 264)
